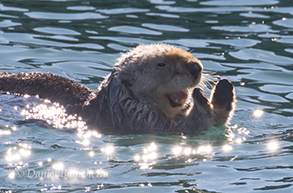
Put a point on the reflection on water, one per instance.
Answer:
(5, 132)
(205, 149)
(186, 151)
(108, 150)
(227, 148)
(17, 153)
(58, 166)
(177, 150)
(258, 113)
(148, 157)
(249, 42)
(54, 115)
(273, 146)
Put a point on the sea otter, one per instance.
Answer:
(148, 91)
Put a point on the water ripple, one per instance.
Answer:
(134, 30)
(65, 16)
(239, 3)
(262, 55)
(249, 42)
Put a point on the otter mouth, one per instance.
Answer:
(176, 98)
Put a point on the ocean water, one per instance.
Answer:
(249, 42)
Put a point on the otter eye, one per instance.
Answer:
(161, 65)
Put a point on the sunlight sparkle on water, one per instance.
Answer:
(187, 151)
(26, 96)
(152, 147)
(91, 154)
(5, 132)
(87, 134)
(96, 134)
(108, 150)
(177, 150)
(145, 166)
(54, 114)
(11, 175)
(150, 153)
(227, 147)
(17, 153)
(258, 113)
(204, 149)
(148, 157)
(238, 140)
(273, 145)
(12, 156)
(24, 152)
(58, 166)
(237, 135)
(86, 142)
(136, 158)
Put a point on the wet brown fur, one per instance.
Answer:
(133, 98)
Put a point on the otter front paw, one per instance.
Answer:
(222, 99)
(201, 102)
(200, 116)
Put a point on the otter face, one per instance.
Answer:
(161, 75)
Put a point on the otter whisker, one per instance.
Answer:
(207, 81)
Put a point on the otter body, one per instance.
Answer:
(148, 91)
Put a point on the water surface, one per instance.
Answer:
(249, 42)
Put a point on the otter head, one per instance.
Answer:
(160, 75)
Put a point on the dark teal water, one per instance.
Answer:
(249, 42)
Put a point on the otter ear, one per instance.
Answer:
(126, 79)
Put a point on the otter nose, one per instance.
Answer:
(195, 70)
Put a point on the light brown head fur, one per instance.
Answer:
(155, 72)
